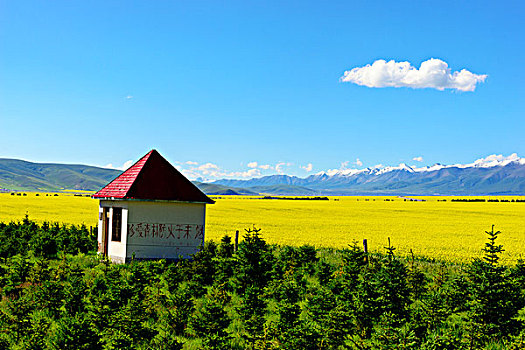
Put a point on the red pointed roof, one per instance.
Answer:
(153, 178)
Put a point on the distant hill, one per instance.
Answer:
(214, 189)
(279, 189)
(27, 176)
(284, 190)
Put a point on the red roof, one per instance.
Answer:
(153, 178)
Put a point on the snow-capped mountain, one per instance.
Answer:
(488, 162)
(494, 174)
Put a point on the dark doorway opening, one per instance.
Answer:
(116, 225)
(105, 230)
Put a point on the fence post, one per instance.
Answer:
(365, 249)
(236, 246)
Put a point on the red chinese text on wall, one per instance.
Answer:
(166, 231)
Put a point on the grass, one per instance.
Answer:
(453, 231)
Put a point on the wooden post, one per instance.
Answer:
(236, 246)
(365, 249)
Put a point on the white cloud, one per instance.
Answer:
(342, 169)
(203, 170)
(279, 167)
(308, 167)
(127, 164)
(212, 171)
(346, 163)
(208, 166)
(254, 165)
(418, 159)
(191, 174)
(124, 166)
(248, 173)
(433, 73)
(129, 97)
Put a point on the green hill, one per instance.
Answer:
(21, 175)
(214, 189)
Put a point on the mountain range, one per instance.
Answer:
(488, 176)
(494, 175)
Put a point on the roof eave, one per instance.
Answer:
(151, 200)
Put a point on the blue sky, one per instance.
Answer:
(227, 84)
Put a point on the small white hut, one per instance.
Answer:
(150, 211)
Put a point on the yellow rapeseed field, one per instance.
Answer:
(443, 230)
(433, 228)
(52, 207)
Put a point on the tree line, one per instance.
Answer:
(58, 294)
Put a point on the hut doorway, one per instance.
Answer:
(105, 231)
